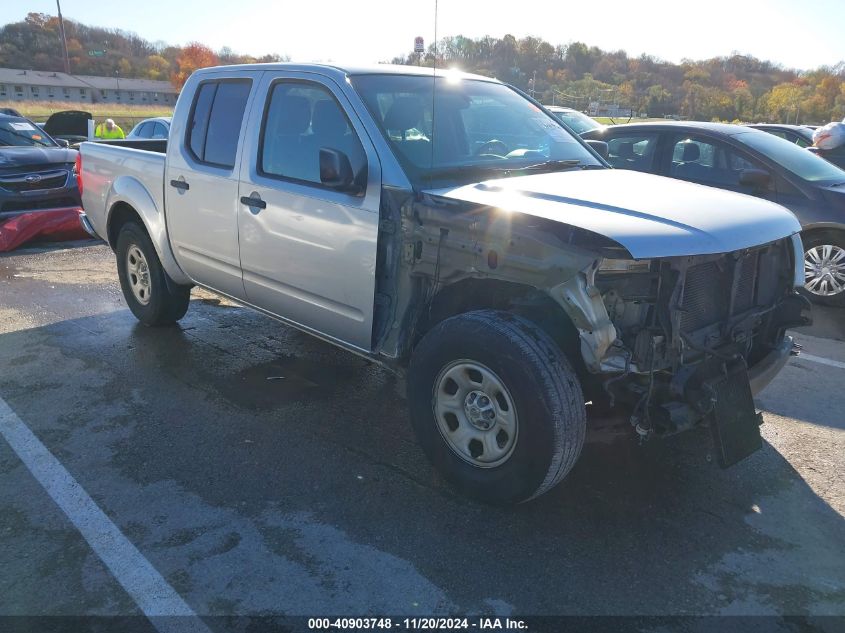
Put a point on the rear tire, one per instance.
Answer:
(152, 297)
(496, 406)
(824, 267)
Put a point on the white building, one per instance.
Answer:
(36, 85)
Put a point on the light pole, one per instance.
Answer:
(64, 38)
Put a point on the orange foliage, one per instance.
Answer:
(192, 57)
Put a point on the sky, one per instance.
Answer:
(364, 31)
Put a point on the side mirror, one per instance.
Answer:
(756, 178)
(335, 169)
(600, 147)
(62, 142)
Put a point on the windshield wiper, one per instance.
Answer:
(552, 165)
(549, 165)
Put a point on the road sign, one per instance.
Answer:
(96, 53)
(419, 45)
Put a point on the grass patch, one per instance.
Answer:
(125, 115)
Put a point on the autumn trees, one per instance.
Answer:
(733, 87)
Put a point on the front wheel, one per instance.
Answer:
(150, 295)
(824, 268)
(496, 406)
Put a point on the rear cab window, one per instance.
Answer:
(215, 122)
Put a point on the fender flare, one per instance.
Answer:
(130, 191)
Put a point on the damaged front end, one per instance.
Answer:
(688, 340)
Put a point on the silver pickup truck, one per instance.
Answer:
(450, 228)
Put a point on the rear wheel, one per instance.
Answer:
(152, 297)
(496, 406)
(824, 268)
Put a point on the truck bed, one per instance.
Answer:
(116, 170)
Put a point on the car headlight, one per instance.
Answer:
(624, 265)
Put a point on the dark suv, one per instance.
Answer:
(36, 172)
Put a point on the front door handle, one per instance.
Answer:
(253, 202)
(180, 184)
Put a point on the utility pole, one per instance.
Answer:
(64, 38)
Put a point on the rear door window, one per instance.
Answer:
(216, 120)
(709, 162)
(144, 130)
(633, 151)
(159, 131)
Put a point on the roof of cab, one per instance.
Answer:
(343, 71)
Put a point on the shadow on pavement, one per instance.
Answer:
(263, 471)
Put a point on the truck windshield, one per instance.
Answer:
(457, 129)
(22, 133)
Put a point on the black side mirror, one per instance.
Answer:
(62, 142)
(335, 169)
(756, 178)
(600, 147)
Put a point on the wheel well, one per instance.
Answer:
(824, 230)
(479, 294)
(121, 213)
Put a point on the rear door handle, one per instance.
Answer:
(253, 202)
(180, 184)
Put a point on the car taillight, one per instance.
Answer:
(77, 169)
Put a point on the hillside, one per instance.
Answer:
(34, 43)
(735, 87)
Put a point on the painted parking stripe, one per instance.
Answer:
(150, 591)
(822, 361)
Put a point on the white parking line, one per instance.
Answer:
(821, 361)
(150, 591)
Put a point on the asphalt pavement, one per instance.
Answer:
(234, 466)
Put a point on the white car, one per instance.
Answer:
(158, 127)
(578, 121)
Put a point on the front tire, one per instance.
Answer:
(496, 406)
(152, 297)
(824, 268)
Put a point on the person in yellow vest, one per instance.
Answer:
(109, 129)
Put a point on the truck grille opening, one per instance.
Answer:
(711, 294)
(707, 294)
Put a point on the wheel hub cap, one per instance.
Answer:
(824, 270)
(138, 273)
(479, 410)
(475, 413)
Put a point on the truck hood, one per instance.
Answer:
(12, 158)
(651, 216)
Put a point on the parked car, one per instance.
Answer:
(158, 127)
(578, 121)
(801, 135)
(448, 228)
(36, 172)
(753, 162)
